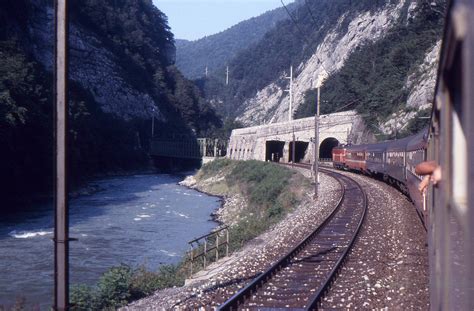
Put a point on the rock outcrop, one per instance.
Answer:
(92, 65)
(272, 103)
(349, 33)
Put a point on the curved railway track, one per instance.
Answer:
(300, 279)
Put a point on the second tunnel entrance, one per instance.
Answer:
(300, 151)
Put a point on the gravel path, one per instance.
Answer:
(388, 266)
(221, 280)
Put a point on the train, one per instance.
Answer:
(447, 208)
(392, 161)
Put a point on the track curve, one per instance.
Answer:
(301, 277)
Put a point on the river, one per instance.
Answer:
(140, 219)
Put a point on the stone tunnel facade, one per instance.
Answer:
(274, 142)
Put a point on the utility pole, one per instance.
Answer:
(293, 149)
(61, 216)
(227, 76)
(290, 91)
(153, 123)
(316, 147)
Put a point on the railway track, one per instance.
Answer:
(300, 279)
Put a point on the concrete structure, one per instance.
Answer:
(274, 142)
(196, 148)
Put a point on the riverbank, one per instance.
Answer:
(85, 185)
(209, 287)
(143, 221)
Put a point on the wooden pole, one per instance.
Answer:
(293, 149)
(61, 219)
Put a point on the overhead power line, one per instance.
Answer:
(302, 34)
(296, 23)
(311, 13)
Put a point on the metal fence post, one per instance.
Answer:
(192, 259)
(205, 252)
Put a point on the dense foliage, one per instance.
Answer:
(373, 79)
(138, 33)
(123, 284)
(139, 38)
(25, 122)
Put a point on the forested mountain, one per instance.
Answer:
(374, 56)
(215, 51)
(122, 73)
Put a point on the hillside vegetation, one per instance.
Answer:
(288, 43)
(373, 78)
(133, 39)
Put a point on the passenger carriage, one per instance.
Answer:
(376, 158)
(395, 162)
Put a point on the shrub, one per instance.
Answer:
(84, 298)
(215, 166)
(145, 282)
(121, 285)
(114, 286)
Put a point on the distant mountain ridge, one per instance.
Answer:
(215, 51)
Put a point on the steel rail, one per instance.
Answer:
(240, 296)
(313, 304)
(237, 299)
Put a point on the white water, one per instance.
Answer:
(142, 219)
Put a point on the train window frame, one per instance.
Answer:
(458, 179)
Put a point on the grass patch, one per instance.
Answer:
(271, 190)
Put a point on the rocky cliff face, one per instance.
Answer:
(420, 86)
(271, 104)
(92, 65)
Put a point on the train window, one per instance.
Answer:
(459, 163)
(458, 137)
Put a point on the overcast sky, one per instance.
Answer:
(194, 19)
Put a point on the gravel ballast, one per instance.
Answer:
(387, 268)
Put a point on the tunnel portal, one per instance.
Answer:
(274, 150)
(300, 151)
(325, 149)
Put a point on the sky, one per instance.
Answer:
(194, 19)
